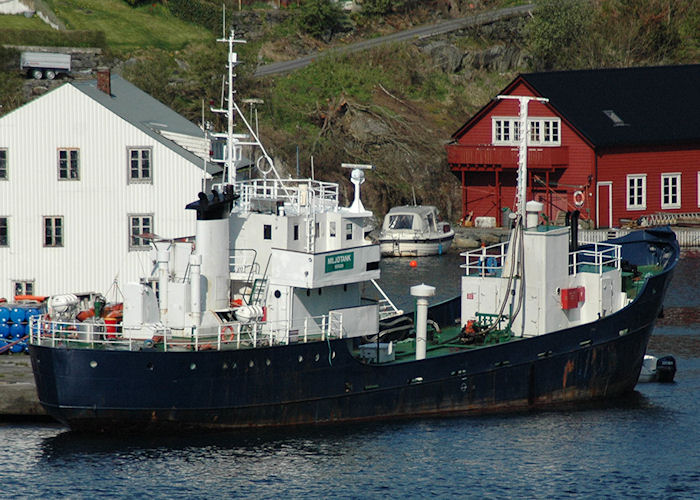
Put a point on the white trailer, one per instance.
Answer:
(44, 64)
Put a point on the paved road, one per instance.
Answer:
(414, 33)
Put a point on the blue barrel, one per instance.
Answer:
(18, 314)
(17, 348)
(4, 314)
(17, 330)
(2, 344)
(5, 330)
(32, 311)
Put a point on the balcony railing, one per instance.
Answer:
(485, 156)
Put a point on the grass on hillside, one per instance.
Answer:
(126, 27)
(16, 22)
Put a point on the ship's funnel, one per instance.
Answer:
(212, 244)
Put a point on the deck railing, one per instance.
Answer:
(485, 261)
(297, 194)
(232, 335)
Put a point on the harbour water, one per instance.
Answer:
(647, 445)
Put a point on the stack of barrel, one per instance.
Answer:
(14, 325)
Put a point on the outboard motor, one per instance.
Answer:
(666, 369)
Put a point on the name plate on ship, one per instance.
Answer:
(339, 262)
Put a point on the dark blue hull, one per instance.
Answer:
(321, 382)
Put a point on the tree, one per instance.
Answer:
(320, 18)
(558, 31)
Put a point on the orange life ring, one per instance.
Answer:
(578, 198)
(227, 331)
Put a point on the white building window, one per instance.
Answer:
(140, 167)
(53, 231)
(139, 225)
(671, 190)
(23, 287)
(543, 131)
(4, 232)
(636, 192)
(68, 164)
(3, 164)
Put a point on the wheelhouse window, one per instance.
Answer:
(68, 164)
(267, 231)
(636, 192)
(331, 229)
(402, 221)
(23, 287)
(348, 231)
(3, 164)
(671, 190)
(543, 131)
(139, 226)
(4, 232)
(140, 170)
(53, 231)
(296, 232)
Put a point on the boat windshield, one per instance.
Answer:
(402, 221)
(431, 222)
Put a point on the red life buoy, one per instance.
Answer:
(227, 334)
(578, 198)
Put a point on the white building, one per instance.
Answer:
(83, 170)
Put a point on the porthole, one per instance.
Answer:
(278, 294)
(149, 366)
(251, 363)
(93, 364)
(267, 362)
(333, 355)
(301, 358)
(317, 357)
(193, 366)
(224, 365)
(234, 365)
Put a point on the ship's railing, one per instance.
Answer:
(299, 194)
(242, 261)
(485, 261)
(233, 335)
(598, 258)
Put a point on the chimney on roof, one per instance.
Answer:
(104, 80)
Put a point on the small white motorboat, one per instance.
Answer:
(414, 231)
(657, 369)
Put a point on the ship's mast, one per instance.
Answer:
(235, 142)
(524, 134)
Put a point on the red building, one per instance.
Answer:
(615, 144)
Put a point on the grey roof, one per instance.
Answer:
(145, 113)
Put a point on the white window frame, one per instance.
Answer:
(633, 183)
(674, 199)
(544, 131)
(4, 175)
(136, 243)
(144, 154)
(4, 231)
(23, 287)
(53, 231)
(71, 164)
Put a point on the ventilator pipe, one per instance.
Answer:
(533, 209)
(422, 292)
(163, 257)
(196, 288)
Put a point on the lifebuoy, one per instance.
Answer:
(227, 334)
(578, 198)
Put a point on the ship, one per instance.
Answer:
(271, 316)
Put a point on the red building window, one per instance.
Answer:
(670, 191)
(636, 192)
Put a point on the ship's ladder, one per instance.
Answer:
(258, 292)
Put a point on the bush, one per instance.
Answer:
(320, 18)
